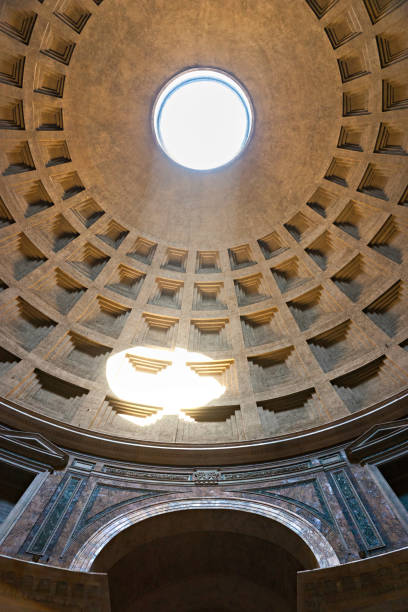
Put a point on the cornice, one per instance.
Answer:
(34, 446)
(156, 453)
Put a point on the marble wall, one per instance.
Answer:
(327, 509)
(342, 501)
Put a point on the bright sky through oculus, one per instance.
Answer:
(202, 119)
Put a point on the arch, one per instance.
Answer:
(311, 537)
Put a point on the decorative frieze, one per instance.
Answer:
(206, 478)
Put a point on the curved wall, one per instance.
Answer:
(336, 507)
(217, 561)
(105, 244)
(87, 512)
(286, 530)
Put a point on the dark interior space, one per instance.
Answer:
(13, 483)
(396, 473)
(205, 571)
(204, 560)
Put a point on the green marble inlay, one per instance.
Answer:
(55, 516)
(361, 518)
(274, 492)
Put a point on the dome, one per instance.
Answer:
(203, 360)
(285, 269)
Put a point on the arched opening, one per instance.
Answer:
(205, 559)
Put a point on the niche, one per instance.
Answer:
(13, 483)
(396, 474)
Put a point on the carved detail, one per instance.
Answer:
(205, 478)
(34, 446)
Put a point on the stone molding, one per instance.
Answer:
(267, 449)
(206, 477)
(320, 547)
(385, 438)
(34, 446)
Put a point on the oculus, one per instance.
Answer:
(203, 118)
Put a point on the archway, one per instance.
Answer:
(205, 554)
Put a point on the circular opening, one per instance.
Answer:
(202, 119)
